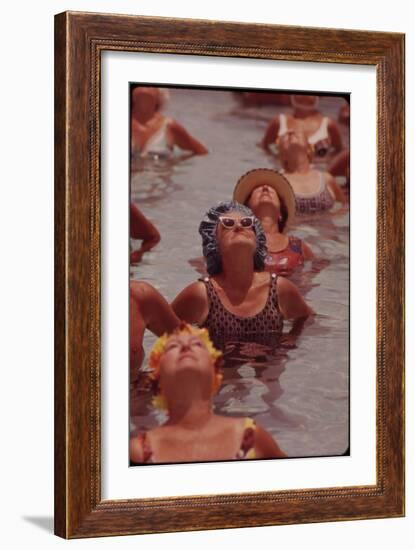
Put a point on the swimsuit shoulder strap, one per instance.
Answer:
(212, 295)
(321, 133)
(159, 137)
(283, 129)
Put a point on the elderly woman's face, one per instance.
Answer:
(263, 194)
(185, 353)
(292, 144)
(236, 229)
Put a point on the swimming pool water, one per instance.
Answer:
(301, 396)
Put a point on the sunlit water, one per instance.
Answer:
(301, 396)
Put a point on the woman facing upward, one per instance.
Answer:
(322, 132)
(154, 134)
(186, 374)
(270, 197)
(239, 302)
(315, 191)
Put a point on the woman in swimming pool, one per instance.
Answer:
(239, 302)
(270, 197)
(315, 191)
(186, 374)
(154, 134)
(322, 132)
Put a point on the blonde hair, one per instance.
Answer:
(161, 95)
(159, 348)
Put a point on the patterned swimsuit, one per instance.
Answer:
(321, 201)
(285, 261)
(226, 328)
(245, 451)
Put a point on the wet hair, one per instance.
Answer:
(208, 231)
(282, 221)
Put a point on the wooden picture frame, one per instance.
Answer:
(80, 38)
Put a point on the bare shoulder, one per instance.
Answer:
(196, 290)
(265, 445)
(136, 449)
(137, 290)
(333, 125)
(284, 285)
(143, 291)
(329, 178)
(291, 302)
(139, 287)
(262, 278)
(191, 304)
(175, 127)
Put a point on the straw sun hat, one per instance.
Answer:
(265, 176)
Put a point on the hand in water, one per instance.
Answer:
(288, 341)
(136, 256)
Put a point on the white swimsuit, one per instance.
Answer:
(158, 145)
(321, 134)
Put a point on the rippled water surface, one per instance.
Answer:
(301, 396)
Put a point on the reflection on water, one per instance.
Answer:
(299, 395)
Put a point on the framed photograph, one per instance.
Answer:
(229, 277)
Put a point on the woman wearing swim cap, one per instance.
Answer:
(239, 302)
(270, 197)
(185, 370)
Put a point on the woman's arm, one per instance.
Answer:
(335, 135)
(308, 254)
(339, 166)
(265, 445)
(157, 314)
(191, 305)
(293, 307)
(291, 303)
(338, 194)
(336, 190)
(271, 133)
(184, 140)
(142, 228)
(136, 450)
(138, 135)
(137, 328)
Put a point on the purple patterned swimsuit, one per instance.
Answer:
(318, 202)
